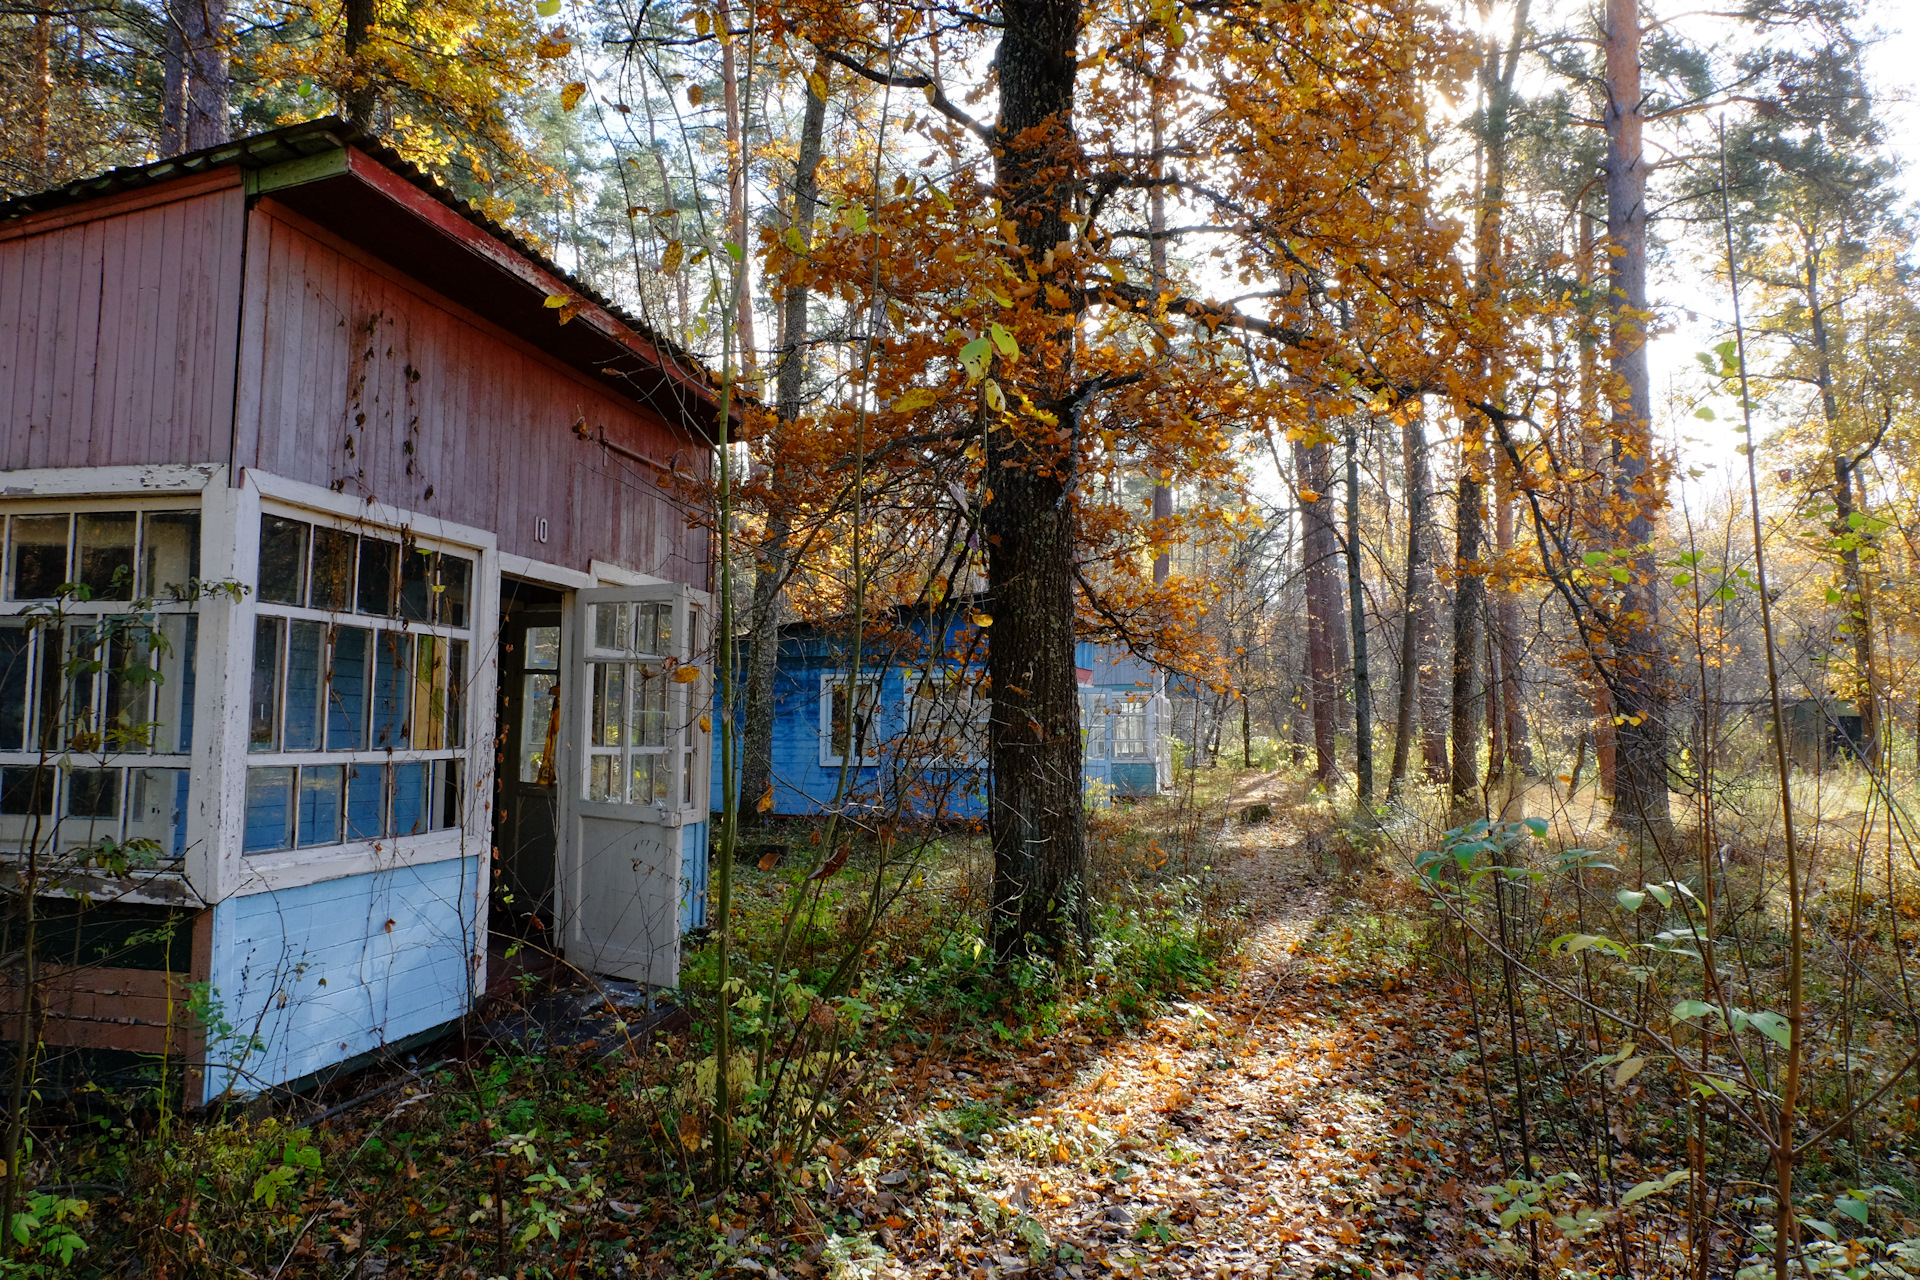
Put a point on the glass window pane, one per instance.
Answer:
(429, 693)
(347, 695)
(52, 716)
(611, 624)
(37, 557)
(157, 810)
(539, 726)
(650, 711)
(649, 779)
(366, 801)
(375, 590)
(306, 685)
(16, 650)
(269, 810)
(543, 649)
(609, 702)
(174, 701)
(320, 791)
(335, 552)
(416, 584)
(456, 693)
(456, 590)
(392, 683)
(446, 791)
(93, 793)
(410, 798)
(129, 695)
(79, 721)
(686, 777)
(283, 560)
(653, 628)
(27, 789)
(603, 775)
(106, 553)
(263, 704)
(170, 553)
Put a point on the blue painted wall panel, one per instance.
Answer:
(693, 876)
(314, 975)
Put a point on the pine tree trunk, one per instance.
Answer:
(173, 89)
(737, 191)
(1469, 608)
(1357, 611)
(1641, 799)
(1039, 825)
(790, 378)
(1410, 658)
(1317, 556)
(1519, 754)
(359, 98)
(203, 31)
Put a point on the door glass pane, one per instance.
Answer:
(611, 627)
(543, 649)
(392, 683)
(283, 560)
(16, 649)
(430, 694)
(106, 553)
(320, 791)
(306, 685)
(334, 554)
(170, 553)
(347, 694)
(650, 712)
(375, 590)
(649, 779)
(456, 590)
(366, 801)
(539, 725)
(157, 809)
(37, 557)
(609, 702)
(602, 777)
(410, 798)
(263, 704)
(653, 628)
(93, 793)
(269, 810)
(416, 585)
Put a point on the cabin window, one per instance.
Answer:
(632, 704)
(98, 649)
(1130, 729)
(1095, 725)
(356, 712)
(848, 732)
(947, 717)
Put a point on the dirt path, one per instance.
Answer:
(1305, 1121)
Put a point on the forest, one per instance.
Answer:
(1494, 431)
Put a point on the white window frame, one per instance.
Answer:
(1096, 726)
(1134, 708)
(874, 741)
(962, 714)
(684, 750)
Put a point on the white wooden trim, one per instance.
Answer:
(312, 497)
(606, 573)
(291, 868)
(553, 575)
(828, 760)
(230, 551)
(117, 482)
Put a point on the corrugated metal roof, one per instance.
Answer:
(312, 137)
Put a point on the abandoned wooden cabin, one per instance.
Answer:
(414, 554)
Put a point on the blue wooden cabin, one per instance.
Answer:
(916, 740)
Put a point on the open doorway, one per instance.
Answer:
(526, 829)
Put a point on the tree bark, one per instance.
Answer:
(1039, 825)
(358, 99)
(1317, 555)
(173, 89)
(203, 31)
(1519, 755)
(1357, 611)
(1410, 657)
(1469, 607)
(737, 190)
(790, 377)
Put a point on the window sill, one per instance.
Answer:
(293, 868)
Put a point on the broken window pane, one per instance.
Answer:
(347, 698)
(170, 554)
(456, 590)
(456, 693)
(37, 557)
(334, 554)
(446, 790)
(269, 810)
(306, 685)
(106, 554)
(375, 591)
(283, 560)
(174, 699)
(157, 809)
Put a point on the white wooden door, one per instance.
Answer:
(638, 778)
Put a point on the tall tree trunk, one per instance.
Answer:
(1469, 609)
(1519, 755)
(1410, 656)
(1157, 255)
(737, 190)
(1357, 611)
(359, 98)
(1435, 669)
(1317, 570)
(203, 31)
(43, 93)
(1588, 436)
(1039, 825)
(173, 89)
(1640, 657)
(790, 379)
(1857, 607)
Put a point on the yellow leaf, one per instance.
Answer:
(996, 398)
(569, 310)
(983, 620)
(1309, 495)
(685, 675)
(1057, 297)
(817, 86)
(695, 95)
(557, 300)
(765, 802)
(570, 95)
(553, 45)
(702, 23)
(706, 724)
(690, 1132)
(915, 400)
(670, 260)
